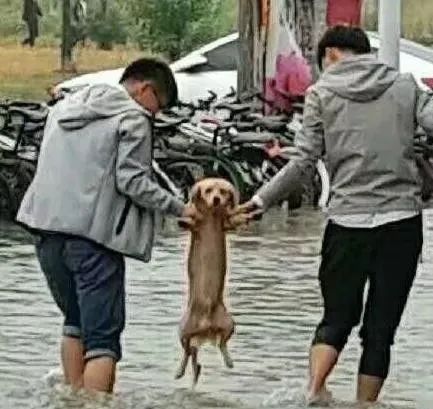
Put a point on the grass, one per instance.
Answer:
(417, 19)
(27, 73)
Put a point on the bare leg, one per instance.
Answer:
(322, 360)
(100, 374)
(72, 355)
(196, 367)
(369, 388)
(181, 371)
(228, 361)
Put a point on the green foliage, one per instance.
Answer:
(109, 27)
(173, 27)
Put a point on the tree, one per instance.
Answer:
(67, 43)
(173, 27)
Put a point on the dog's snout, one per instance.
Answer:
(216, 201)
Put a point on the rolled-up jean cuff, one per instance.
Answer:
(71, 331)
(102, 352)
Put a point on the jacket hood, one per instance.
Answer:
(93, 103)
(359, 78)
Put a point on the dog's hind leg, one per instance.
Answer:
(196, 367)
(185, 341)
(183, 364)
(226, 327)
(228, 361)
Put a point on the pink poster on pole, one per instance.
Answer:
(344, 12)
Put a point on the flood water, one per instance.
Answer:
(274, 297)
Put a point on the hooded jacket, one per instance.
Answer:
(360, 117)
(94, 175)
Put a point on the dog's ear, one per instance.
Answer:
(196, 196)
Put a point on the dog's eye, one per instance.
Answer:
(208, 190)
(223, 192)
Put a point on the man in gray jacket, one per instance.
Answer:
(361, 116)
(93, 200)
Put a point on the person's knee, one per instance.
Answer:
(332, 335)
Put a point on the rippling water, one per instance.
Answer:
(275, 300)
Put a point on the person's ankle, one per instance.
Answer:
(369, 388)
(321, 397)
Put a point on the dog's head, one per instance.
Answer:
(214, 194)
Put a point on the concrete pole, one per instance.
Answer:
(390, 31)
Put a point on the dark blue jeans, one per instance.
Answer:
(87, 282)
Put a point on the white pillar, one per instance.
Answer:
(390, 32)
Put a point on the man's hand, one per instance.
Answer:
(251, 210)
(191, 211)
(190, 217)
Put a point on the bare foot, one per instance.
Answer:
(323, 398)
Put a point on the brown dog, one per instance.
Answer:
(206, 318)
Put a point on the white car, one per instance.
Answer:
(214, 67)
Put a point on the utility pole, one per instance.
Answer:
(390, 32)
(66, 50)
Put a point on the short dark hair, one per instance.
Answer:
(158, 72)
(346, 38)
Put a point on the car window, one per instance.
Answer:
(223, 58)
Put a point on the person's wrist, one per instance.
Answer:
(258, 202)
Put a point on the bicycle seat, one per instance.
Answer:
(169, 123)
(252, 137)
(29, 114)
(234, 108)
(245, 126)
(32, 127)
(271, 124)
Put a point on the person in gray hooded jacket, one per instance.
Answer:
(361, 117)
(93, 200)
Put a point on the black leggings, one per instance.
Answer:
(386, 256)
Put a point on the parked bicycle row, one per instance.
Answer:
(21, 132)
(227, 137)
(231, 138)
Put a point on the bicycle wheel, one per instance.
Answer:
(18, 175)
(185, 173)
(8, 202)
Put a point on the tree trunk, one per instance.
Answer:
(250, 73)
(104, 7)
(67, 42)
(306, 28)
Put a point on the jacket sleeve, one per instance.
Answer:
(424, 111)
(309, 144)
(133, 167)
